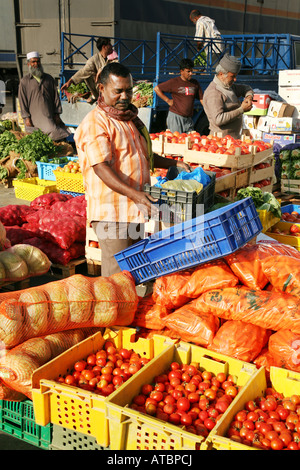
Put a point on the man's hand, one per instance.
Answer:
(199, 46)
(247, 103)
(66, 85)
(28, 122)
(145, 203)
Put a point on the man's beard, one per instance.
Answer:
(36, 71)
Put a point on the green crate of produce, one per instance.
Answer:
(17, 419)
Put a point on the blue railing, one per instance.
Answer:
(261, 56)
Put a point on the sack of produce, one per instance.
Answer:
(74, 302)
(167, 290)
(17, 366)
(284, 348)
(9, 394)
(267, 309)
(14, 214)
(150, 316)
(56, 254)
(212, 275)
(239, 339)
(46, 200)
(192, 325)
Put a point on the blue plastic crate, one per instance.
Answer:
(45, 170)
(71, 193)
(290, 208)
(191, 243)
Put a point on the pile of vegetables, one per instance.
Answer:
(262, 200)
(143, 94)
(79, 88)
(290, 163)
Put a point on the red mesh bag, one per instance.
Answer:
(46, 200)
(56, 254)
(13, 214)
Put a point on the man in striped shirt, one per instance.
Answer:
(115, 157)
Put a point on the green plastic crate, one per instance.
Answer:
(17, 419)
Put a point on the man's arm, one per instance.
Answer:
(84, 73)
(162, 95)
(111, 179)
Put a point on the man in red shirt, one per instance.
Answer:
(184, 90)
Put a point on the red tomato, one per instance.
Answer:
(183, 404)
(80, 365)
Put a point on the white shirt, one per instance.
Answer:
(206, 28)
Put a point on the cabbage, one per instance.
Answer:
(37, 262)
(11, 322)
(15, 266)
(2, 273)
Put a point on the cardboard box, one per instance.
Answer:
(249, 122)
(281, 139)
(285, 124)
(290, 94)
(263, 124)
(289, 78)
(280, 109)
(260, 106)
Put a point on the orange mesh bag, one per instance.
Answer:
(7, 393)
(127, 298)
(192, 325)
(74, 302)
(17, 366)
(241, 340)
(167, 290)
(270, 310)
(283, 273)
(284, 347)
(213, 275)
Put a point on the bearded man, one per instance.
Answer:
(39, 101)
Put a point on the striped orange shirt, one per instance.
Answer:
(99, 139)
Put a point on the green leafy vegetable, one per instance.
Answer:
(80, 88)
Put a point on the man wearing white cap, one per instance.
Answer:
(221, 99)
(39, 101)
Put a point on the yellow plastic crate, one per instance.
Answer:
(131, 430)
(30, 188)
(282, 380)
(72, 182)
(267, 219)
(291, 240)
(81, 410)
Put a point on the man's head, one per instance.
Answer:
(34, 64)
(194, 15)
(186, 69)
(104, 46)
(228, 69)
(116, 86)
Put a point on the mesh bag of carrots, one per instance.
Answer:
(74, 302)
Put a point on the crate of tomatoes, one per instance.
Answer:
(72, 389)
(264, 416)
(176, 401)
